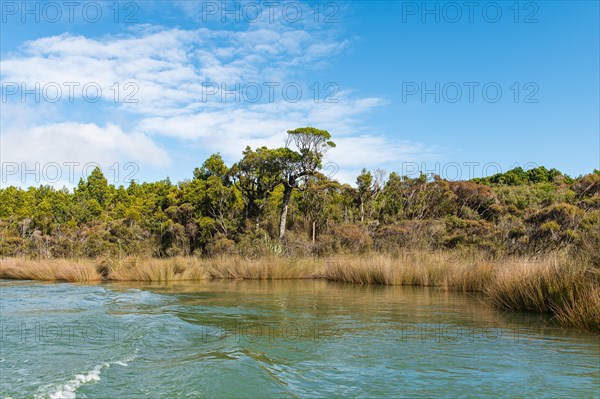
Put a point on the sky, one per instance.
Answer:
(149, 89)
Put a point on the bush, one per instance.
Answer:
(353, 238)
(221, 245)
(390, 238)
(254, 244)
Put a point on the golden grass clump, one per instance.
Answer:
(420, 269)
(472, 277)
(583, 312)
(181, 268)
(49, 270)
(269, 268)
(569, 291)
(153, 270)
(359, 270)
(536, 286)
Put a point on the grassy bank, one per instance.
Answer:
(557, 285)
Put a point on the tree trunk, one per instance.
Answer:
(362, 211)
(287, 195)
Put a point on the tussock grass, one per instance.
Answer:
(565, 288)
(153, 270)
(269, 268)
(569, 291)
(583, 312)
(423, 269)
(54, 270)
(533, 287)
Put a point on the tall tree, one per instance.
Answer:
(363, 184)
(256, 175)
(310, 144)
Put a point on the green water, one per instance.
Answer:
(280, 339)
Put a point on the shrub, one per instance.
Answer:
(353, 238)
(221, 245)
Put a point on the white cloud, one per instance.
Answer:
(229, 128)
(377, 151)
(78, 142)
(169, 67)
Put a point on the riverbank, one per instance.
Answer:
(557, 285)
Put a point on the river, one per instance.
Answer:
(295, 338)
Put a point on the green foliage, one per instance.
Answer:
(213, 166)
(519, 176)
(245, 209)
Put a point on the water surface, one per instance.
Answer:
(252, 339)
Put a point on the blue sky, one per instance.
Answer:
(371, 62)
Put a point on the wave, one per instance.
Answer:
(68, 390)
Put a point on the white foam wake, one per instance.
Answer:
(68, 390)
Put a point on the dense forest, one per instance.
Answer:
(278, 201)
